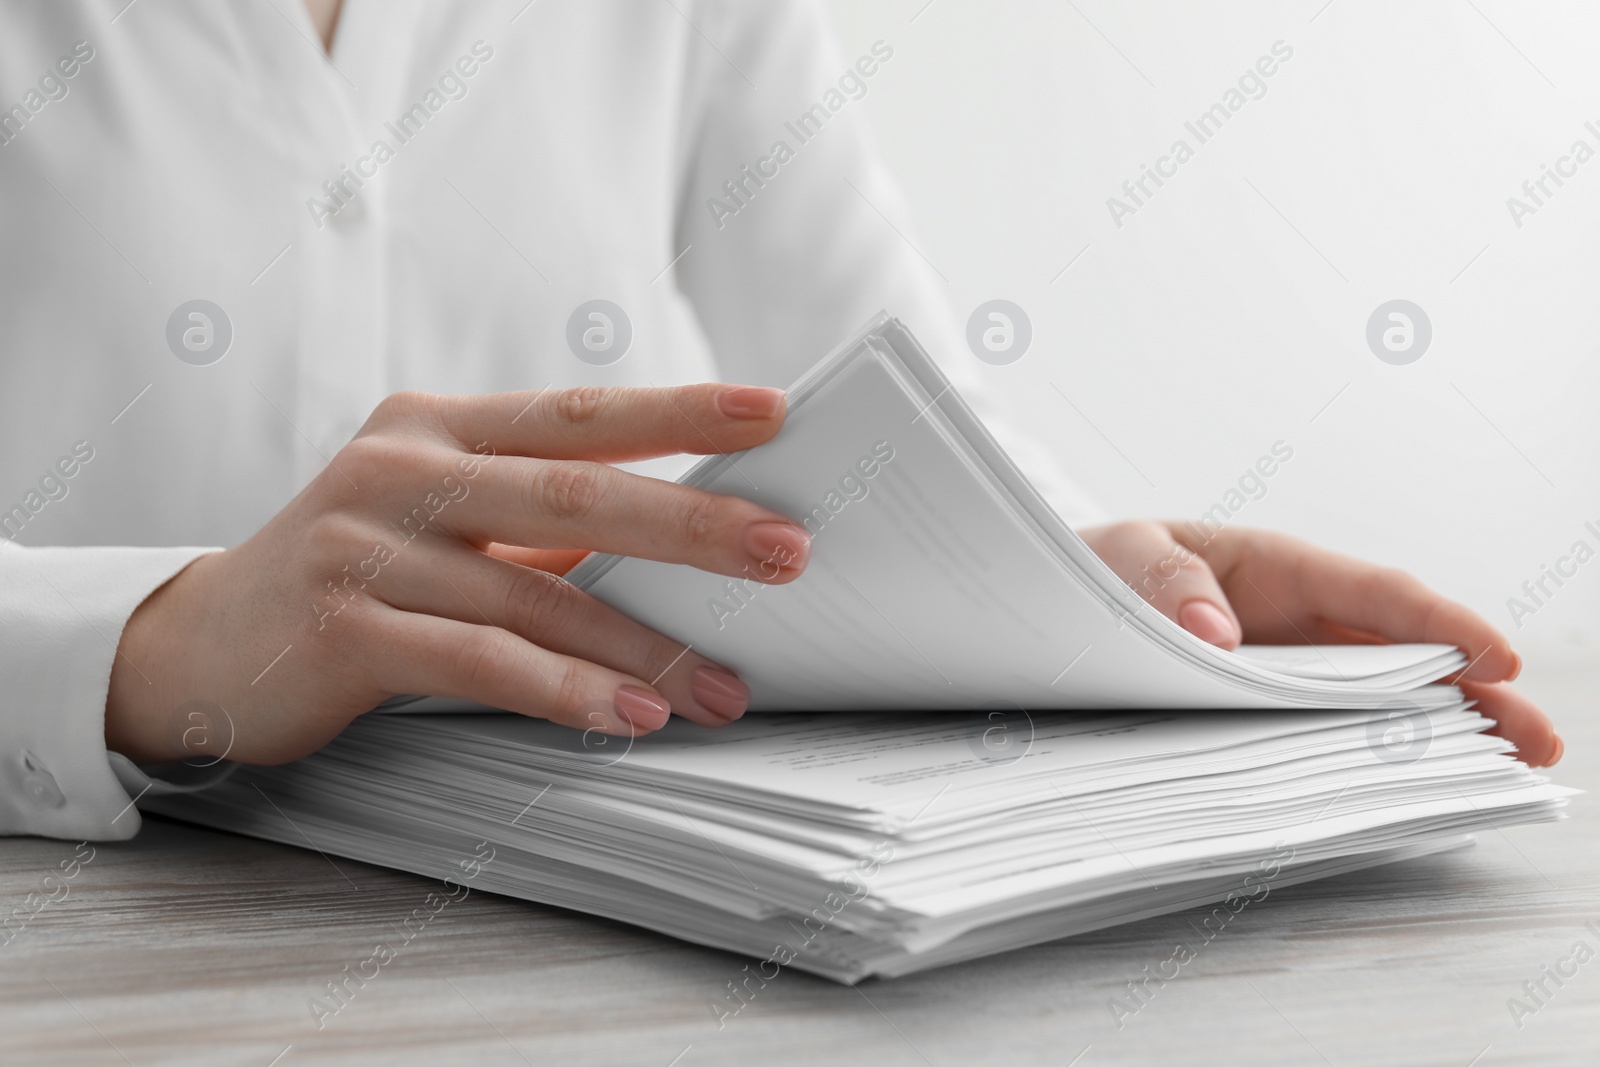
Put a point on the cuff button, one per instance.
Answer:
(38, 783)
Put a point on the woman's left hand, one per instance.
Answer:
(1256, 586)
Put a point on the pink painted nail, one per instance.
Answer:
(1207, 622)
(641, 708)
(720, 692)
(750, 402)
(777, 544)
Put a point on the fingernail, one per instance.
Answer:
(641, 708)
(720, 692)
(1556, 753)
(1516, 667)
(750, 402)
(779, 545)
(1207, 622)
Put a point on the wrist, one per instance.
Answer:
(143, 692)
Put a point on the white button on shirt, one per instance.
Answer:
(532, 159)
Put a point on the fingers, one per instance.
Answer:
(1398, 607)
(1518, 721)
(1176, 581)
(613, 425)
(460, 583)
(1285, 589)
(405, 468)
(447, 658)
(524, 472)
(571, 504)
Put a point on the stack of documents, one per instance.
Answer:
(1017, 748)
(883, 843)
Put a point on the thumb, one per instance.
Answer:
(1173, 578)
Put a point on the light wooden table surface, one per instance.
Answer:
(192, 947)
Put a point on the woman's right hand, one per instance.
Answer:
(393, 572)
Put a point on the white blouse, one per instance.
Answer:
(219, 248)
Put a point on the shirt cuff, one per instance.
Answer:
(62, 611)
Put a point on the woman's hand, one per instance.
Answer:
(393, 572)
(1271, 589)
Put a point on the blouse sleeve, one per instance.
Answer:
(62, 611)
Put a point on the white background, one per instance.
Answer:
(1231, 309)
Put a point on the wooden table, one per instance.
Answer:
(191, 947)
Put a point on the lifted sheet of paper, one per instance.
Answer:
(940, 579)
